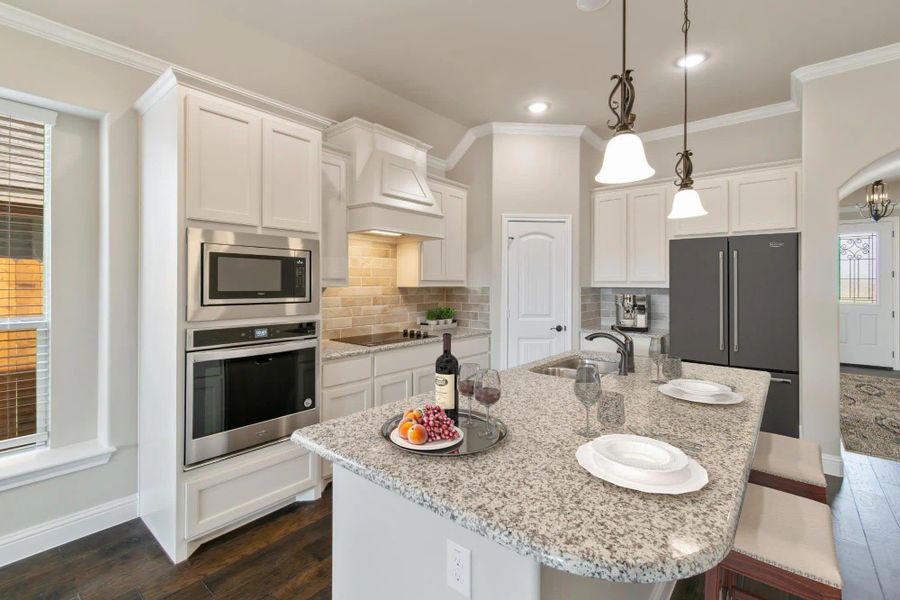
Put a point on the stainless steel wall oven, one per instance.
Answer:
(247, 386)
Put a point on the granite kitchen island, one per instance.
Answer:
(537, 524)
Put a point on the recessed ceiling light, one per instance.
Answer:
(383, 232)
(538, 107)
(691, 60)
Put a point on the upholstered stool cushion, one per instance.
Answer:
(798, 460)
(788, 532)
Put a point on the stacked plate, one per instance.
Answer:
(697, 390)
(641, 463)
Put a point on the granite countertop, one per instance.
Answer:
(653, 332)
(530, 495)
(333, 349)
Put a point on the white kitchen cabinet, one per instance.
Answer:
(335, 196)
(291, 164)
(223, 149)
(438, 262)
(346, 399)
(764, 200)
(390, 388)
(423, 379)
(714, 196)
(610, 221)
(648, 263)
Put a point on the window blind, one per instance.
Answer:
(24, 322)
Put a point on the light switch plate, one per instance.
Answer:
(459, 569)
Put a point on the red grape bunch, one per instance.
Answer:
(437, 424)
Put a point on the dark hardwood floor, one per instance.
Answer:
(288, 554)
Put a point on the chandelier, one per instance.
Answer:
(877, 205)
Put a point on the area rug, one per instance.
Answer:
(870, 415)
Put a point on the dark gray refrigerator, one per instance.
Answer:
(733, 302)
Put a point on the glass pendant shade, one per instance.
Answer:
(686, 204)
(624, 160)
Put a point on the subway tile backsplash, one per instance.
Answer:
(598, 306)
(374, 304)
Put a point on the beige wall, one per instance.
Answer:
(755, 142)
(194, 35)
(843, 131)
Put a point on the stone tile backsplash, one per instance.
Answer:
(598, 306)
(374, 304)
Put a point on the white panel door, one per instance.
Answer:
(291, 177)
(764, 200)
(866, 265)
(608, 235)
(714, 196)
(223, 155)
(335, 195)
(648, 243)
(539, 291)
(390, 388)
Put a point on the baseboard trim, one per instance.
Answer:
(833, 465)
(32, 540)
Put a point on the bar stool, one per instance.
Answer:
(790, 465)
(783, 541)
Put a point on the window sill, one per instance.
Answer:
(44, 463)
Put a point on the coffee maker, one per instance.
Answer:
(633, 312)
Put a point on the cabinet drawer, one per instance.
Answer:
(406, 359)
(225, 492)
(339, 372)
(470, 347)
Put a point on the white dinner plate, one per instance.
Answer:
(696, 477)
(436, 445)
(639, 453)
(700, 386)
(728, 397)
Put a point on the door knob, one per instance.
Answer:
(558, 328)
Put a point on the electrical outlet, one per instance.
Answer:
(459, 569)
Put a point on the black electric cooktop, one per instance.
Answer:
(382, 339)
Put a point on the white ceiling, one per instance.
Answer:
(483, 60)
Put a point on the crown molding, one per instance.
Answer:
(843, 64)
(726, 120)
(437, 165)
(16, 18)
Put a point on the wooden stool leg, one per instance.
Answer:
(712, 584)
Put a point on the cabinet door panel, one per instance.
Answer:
(608, 238)
(423, 380)
(455, 240)
(433, 250)
(291, 176)
(222, 149)
(346, 399)
(714, 196)
(764, 200)
(335, 195)
(391, 388)
(647, 243)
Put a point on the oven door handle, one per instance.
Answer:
(245, 351)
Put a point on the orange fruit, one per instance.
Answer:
(414, 414)
(404, 426)
(417, 434)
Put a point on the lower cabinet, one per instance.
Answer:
(391, 388)
(423, 379)
(346, 399)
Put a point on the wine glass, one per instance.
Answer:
(487, 393)
(465, 383)
(587, 390)
(657, 356)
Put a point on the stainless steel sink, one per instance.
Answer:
(567, 367)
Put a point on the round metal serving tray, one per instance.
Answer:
(472, 443)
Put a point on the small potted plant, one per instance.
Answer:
(433, 316)
(447, 315)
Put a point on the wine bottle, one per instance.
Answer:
(446, 369)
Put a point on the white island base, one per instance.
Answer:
(386, 547)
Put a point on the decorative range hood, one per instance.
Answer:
(389, 193)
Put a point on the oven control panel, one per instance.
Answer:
(256, 334)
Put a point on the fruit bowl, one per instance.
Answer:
(468, 443)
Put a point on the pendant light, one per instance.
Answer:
(686, 203)
(624, 160)
(877, 205)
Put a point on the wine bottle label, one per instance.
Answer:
(444, 387)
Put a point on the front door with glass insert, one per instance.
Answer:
(866, 255)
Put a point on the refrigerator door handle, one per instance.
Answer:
(721, 300)
(734, 316)
(780, 380)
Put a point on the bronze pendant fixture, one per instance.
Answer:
(877, 205)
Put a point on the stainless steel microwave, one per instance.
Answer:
(244, 275)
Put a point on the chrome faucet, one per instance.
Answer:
(624, 348)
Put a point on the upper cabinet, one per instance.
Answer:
(629, 238)
(335, 195)
(245, 167)
(714, 196)
(764, 200)
(223, 148)
(439, 262)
